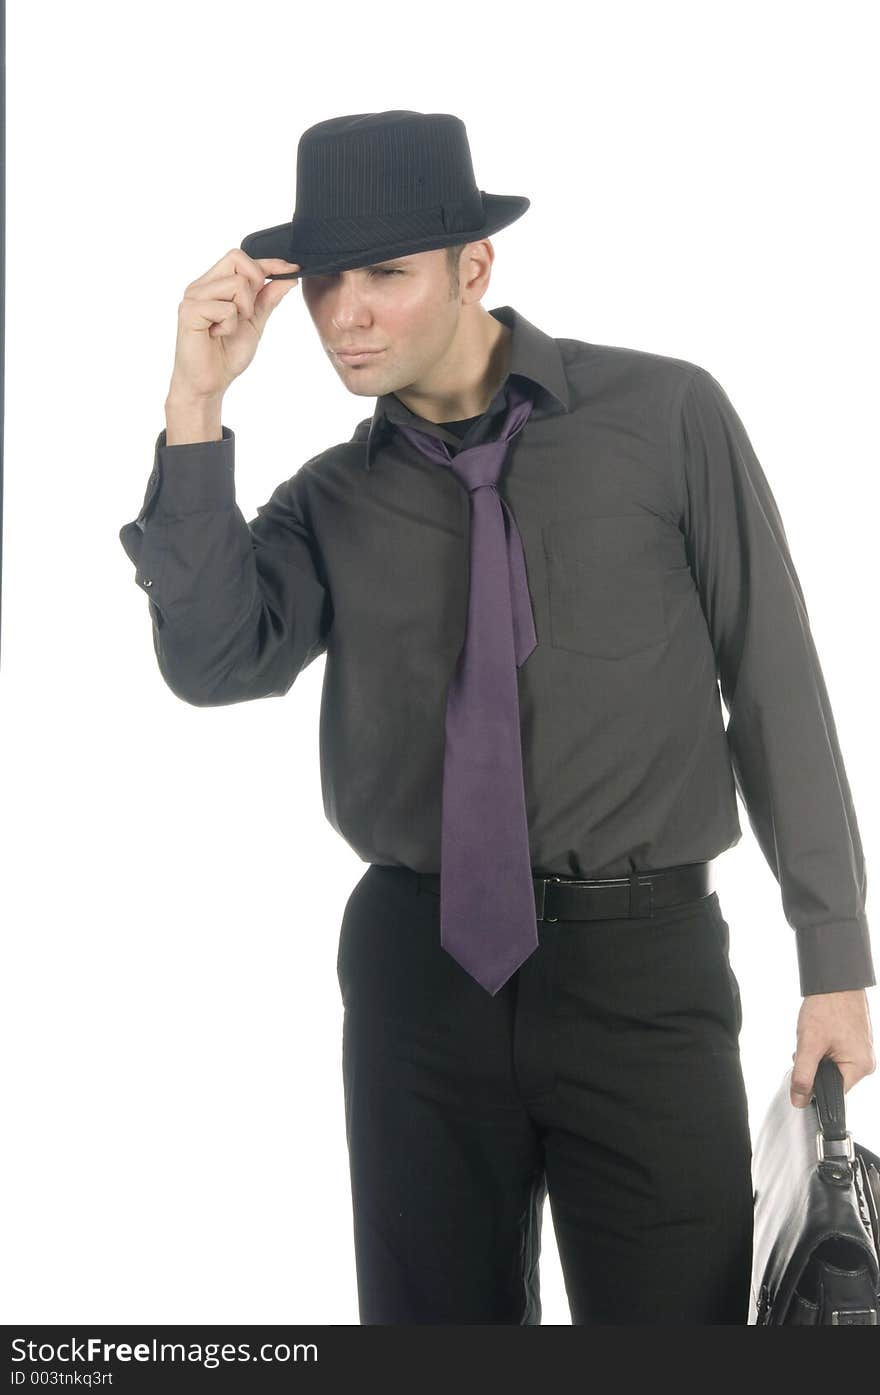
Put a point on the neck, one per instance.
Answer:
(478, 368)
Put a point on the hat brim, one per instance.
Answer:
(280, 241)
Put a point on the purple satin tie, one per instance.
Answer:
(488, 917)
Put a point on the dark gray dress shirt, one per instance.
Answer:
(658, 567)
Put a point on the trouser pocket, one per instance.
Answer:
(723, 929)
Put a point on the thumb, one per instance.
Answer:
(266, 299)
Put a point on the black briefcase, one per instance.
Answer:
(817, 1198)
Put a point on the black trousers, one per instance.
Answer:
(605, 1074)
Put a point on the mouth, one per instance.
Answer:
(359, 357)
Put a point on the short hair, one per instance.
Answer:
(453, 254)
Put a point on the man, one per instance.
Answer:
(528, 570)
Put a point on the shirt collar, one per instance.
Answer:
(533, 355)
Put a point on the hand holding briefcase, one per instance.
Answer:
(817, 1198)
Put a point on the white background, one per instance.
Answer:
(702, 180)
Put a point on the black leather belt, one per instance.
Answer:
(608, 898)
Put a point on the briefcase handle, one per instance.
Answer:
(834, 1142)
(828, 1093)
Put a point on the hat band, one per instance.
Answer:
(352, 235)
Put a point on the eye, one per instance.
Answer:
(377, 271)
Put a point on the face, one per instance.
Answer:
(403, 308)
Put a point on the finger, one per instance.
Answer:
(277, 269)
(803, 1076)
(214, 316)
(237, 289)
(238, 262)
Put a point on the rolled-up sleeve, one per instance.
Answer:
(781, 734)
(238, 608)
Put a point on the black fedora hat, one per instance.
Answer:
(379, 185)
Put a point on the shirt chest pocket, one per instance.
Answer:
(605, 583)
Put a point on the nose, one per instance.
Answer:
(348, 295)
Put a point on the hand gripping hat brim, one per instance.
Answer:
(381, 185)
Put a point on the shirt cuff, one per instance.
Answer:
(835, 957)
(192, 477)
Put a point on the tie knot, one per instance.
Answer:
(479, 465)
